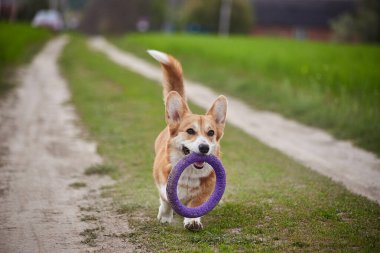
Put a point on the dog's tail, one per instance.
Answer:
(172, 69)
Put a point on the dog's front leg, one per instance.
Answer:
(165, 212)
(194, 224)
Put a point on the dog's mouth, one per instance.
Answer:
(185, 150)
(197, 165)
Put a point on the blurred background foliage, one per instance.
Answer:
(340, 20)
(116, 16)
(204, 16)
(17, 49)
(362, 24)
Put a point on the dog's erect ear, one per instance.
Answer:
(176, 108)
(218, 111)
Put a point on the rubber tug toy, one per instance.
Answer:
(175, 174)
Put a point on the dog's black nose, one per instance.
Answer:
(204, 148)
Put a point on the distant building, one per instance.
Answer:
(114, 16)
(302, 19)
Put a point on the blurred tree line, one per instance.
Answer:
(363, 25)
(119, 16)
(23, 10)
(205, 15)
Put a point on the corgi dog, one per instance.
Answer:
(185, 133)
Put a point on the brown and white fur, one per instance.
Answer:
(185, 132)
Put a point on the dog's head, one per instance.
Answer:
(194, 133)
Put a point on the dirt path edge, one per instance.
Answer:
(42, 152)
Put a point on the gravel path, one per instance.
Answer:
(41, 154)
(357, 169)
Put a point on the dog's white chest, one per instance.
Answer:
(190, 181)
(189, 184)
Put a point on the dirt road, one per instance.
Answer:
(41, 154)
(357, 169)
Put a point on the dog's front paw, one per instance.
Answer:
(164, 219)
(193, 224)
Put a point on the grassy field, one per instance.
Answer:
(18, 43)
(271, 202)
(332, 86)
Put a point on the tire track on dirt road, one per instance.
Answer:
(357, 169)
(41, 153)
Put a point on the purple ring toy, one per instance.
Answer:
(220, 185)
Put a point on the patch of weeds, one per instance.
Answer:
(90, 236)
(300, 244)
(234, 230)
(328, 214)
(78, 185)
(128, 208)
(100, 169)
(224, 238)
(122, 235)
(88, 218)
(106, 187)
(108, 191)
(86, 209)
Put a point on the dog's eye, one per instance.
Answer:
(211, 133)
(190, 131)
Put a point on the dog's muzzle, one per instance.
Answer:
(186, 151)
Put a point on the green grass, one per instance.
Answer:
(18, 43)
(78, 185)
(332, 86)
(101, 169)
(271, 202)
